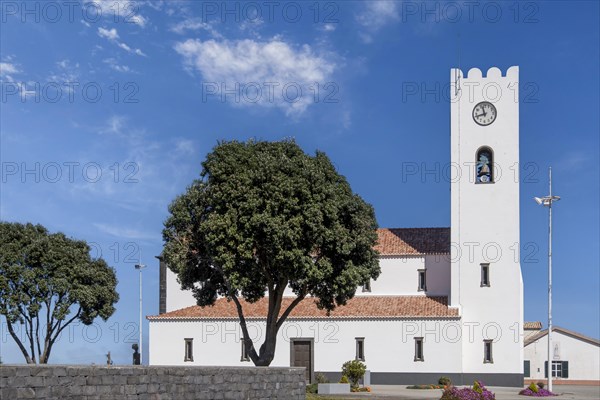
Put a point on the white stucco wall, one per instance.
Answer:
(177, 298)
(438, 275)
(399, 276)
(485, 220)
(583, 357)
(389, 345)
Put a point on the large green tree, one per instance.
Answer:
(47, 281)
(265, 215)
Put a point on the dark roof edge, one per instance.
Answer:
(567, 332)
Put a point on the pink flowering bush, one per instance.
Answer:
(477, 392)
(536, 391)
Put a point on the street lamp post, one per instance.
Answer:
(140, 267)
(547, 202)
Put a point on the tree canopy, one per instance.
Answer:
(47, 281)
(264, 216)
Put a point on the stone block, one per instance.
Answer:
(25, 393)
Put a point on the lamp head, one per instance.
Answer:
(140, 266)
(539, 200)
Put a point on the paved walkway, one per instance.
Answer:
(396, 392)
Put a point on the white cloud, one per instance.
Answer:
(375, 15)
(66, 72)
(114, 125)
(194, 24)
(7, 70)
(184, 147)
(120, 10)
(125, 47)
(113, 36)
(113, 64)
(276, 63)
(110, 34)
(139, 20)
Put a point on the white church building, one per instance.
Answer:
(448, 302)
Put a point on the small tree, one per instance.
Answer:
(266, 216)
(47, 281)
(354, 370)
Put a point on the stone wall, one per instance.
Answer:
(63, 382)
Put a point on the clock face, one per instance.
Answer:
(484, 113)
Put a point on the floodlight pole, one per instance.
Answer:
(547, 201)
(550, 280)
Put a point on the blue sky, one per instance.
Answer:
(112, 105)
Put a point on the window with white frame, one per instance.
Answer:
(560, 369)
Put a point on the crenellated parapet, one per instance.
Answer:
(492, 87)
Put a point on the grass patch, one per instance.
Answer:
(311, 396)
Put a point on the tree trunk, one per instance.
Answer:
(28, 359)
(267, 350)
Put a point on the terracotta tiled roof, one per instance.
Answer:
(358, 307)
(413, 241)
(532, 325)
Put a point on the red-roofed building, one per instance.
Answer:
(448, 301)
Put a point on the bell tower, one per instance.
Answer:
(486, 277)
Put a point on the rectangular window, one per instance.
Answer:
(560, 369)
(419, 349)
(245, 356)
(189, 350)
(485, 275)
(367, 286)
(527, 369)
(422, 280)
(360, 348)
(487, 352)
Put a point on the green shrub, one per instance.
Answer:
(444, 381)
(321, 378)
(425, 387)
(354, 370)
(344, 379)
(534, 388)
(312, 388)
(541, 385)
